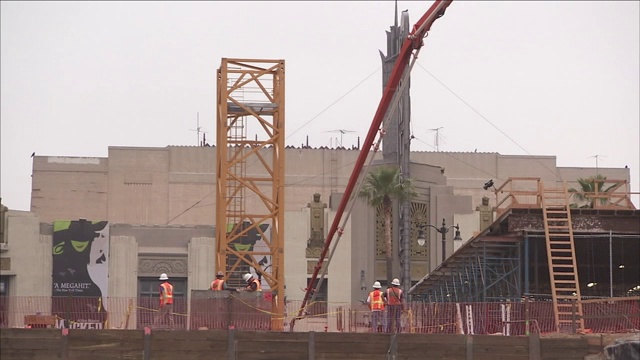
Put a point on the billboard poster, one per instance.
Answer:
(80, 273)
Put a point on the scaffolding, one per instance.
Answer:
(508, 260)
(250, 175)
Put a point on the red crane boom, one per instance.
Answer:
(414, 41)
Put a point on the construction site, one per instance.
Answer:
(552, 272)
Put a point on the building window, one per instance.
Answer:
(148, 301)
(4, 301)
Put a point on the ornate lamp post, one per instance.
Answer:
(442, 230)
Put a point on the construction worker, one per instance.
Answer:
(220, 284)
(394, 298)
(253, 284)
(166, 302)
(376, 305)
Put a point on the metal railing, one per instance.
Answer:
(526, 192)
(610, 315)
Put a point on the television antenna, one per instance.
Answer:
(597, 157)
(342, 132)
(199, 130)
(437, 137)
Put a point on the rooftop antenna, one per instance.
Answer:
(437, 137)
(198, 130)
(597, 156)
(342, 132)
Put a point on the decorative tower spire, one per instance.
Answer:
(395, 17)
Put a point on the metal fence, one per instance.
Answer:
(610, 315)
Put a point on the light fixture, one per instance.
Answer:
(592, 284)
(443, 230)
(421, 238)
(457, 237)
(488, 184)
(621, 266)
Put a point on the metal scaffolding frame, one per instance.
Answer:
(495, 265)
(497, 269)
(489, 270)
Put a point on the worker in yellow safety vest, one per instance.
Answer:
(376, 305)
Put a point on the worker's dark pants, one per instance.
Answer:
(377, 321)
(393, 318)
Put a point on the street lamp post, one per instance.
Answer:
(442, 230)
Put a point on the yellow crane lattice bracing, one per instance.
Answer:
(250, 174)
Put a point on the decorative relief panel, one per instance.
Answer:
(419, 219)
(381, 270)
(418, 270)
(311, 264)
(380, 238)
(5, 263)
(314, 252)
(157, 266)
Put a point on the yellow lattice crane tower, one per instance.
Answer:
(250, 174)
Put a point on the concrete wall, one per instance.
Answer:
(138, 186)
(297, 270)
(60, 186)
(27, 264)
(137, 251)
(161, 185)
(29, 256)
(166, 198)
(241, 345)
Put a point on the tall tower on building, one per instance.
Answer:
(396, 144)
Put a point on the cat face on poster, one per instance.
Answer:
(98, 266)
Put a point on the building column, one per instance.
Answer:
(123, 282)
(201, 266)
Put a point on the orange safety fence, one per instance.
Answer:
(611, 315)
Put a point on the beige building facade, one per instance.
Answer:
(160, 205)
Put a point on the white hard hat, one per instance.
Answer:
(395, 282)
(164, 276)
(376, 285)
(246, 277)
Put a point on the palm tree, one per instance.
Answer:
(588, 187)
(381, 186)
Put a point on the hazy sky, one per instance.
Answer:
(558, 78)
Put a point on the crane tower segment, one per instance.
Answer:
(250, 173)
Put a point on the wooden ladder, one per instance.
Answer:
(561, 256)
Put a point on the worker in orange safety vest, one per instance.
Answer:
(220, 284)
(376, 305)
(166, 302)
(394, 298)
(253, 284)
